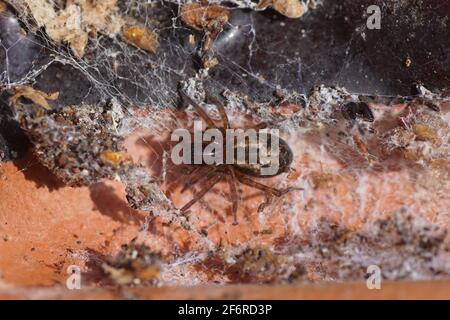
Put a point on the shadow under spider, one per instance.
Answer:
(34, 171)
(108, 203)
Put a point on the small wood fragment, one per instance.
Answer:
(141, 37)
(36, 96)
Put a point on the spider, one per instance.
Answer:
(235, 172)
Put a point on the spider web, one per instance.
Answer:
(258, 53)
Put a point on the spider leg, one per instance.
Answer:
(223, 115)
(202, 192)
(263, 205)
(222, 112)
(260, 186)
(234, 194)
(252, 183)
(260, 126)
(199, 110)
(197, 175)
(173, 183)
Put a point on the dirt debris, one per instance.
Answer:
(4, 152)
(422, 135)
(135, 264)
(75, 22)
(210, 19)
(252, 265)
(403, 247)
(77, 143)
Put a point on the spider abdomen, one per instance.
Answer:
(248, 156)
(280, 160)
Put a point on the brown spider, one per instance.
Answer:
(241, 172)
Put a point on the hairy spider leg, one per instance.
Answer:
(198, 174)
(260, 126)
(207, 187)
(252, 183)
(199, 110)
(174, 183)
(233, 191)
(266, 202)
(222, 112)
(223, 115)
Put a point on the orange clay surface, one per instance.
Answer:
(46, 226)
(390, 290)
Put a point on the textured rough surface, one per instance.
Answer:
(78, 144)
(391, 290)
(354, 211)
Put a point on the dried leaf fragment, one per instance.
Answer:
(137, 274)
(321, 180)
(114, 158)
(288, 8)
(425, 133)
(135, 264)
(2, 6)
(141, 37)
(441, 163)
(205, 17)
(411, 155)
(146, 273)
(119, 275)
(76, 21)
(36, 96)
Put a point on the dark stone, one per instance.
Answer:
(13, 142)
(353, 110)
